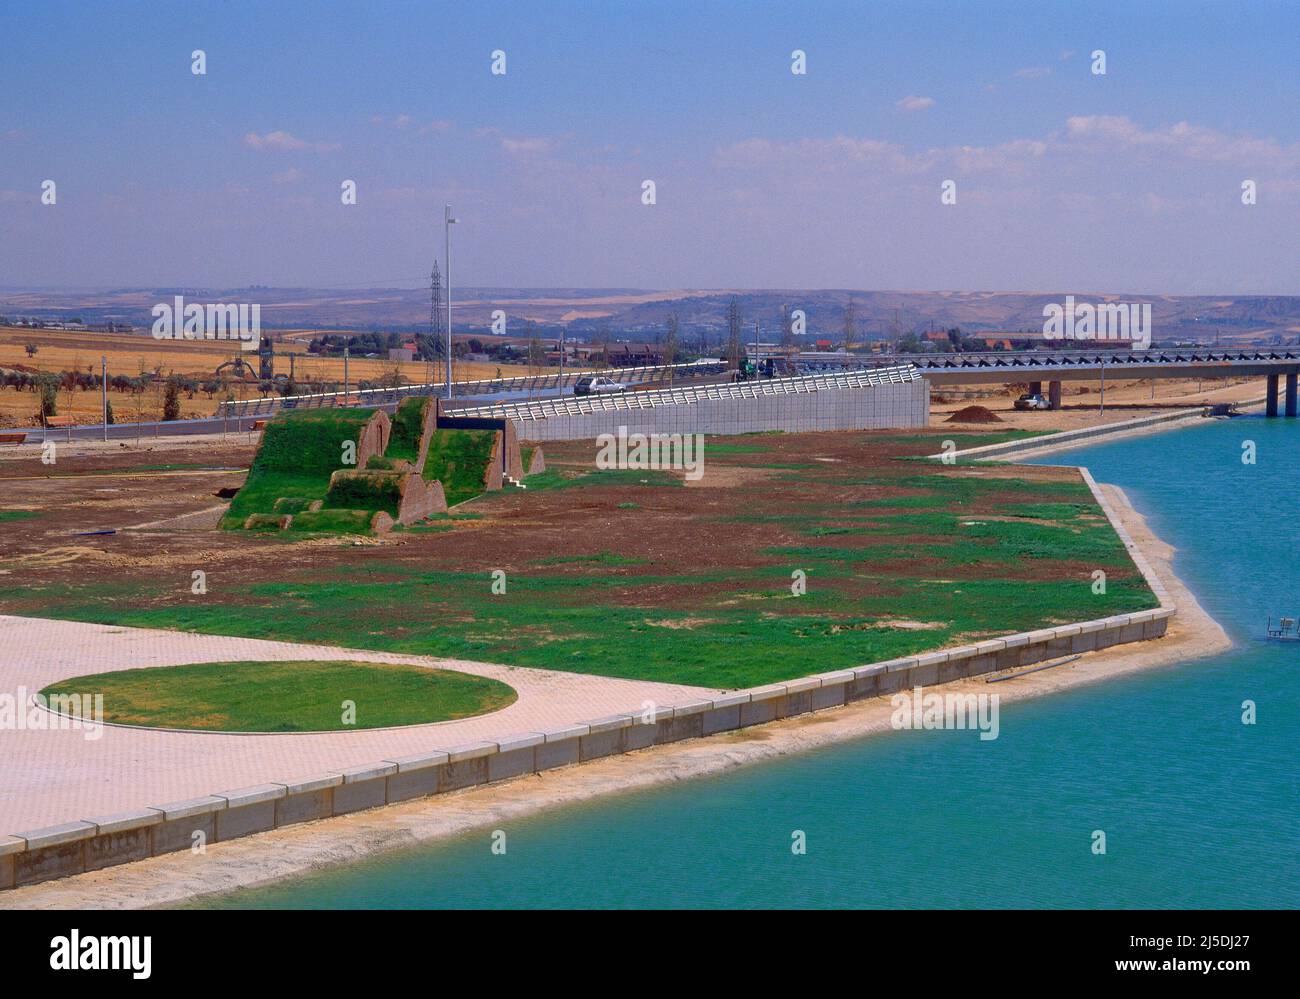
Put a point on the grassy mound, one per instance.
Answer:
(302, 696)
(263, 522)
(377, 491)
(291, 504)
(459, 459)
(333, 521)
(408, 422)
(299, 451)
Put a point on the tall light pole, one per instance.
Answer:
(449, 222)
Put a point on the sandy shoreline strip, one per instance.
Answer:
(1035, 449)
(299, 849)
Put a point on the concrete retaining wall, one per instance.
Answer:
(879, 407)
(1075, 438)
(420, 499)
(103, 841)
(373, 438)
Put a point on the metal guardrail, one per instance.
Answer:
(578, 405)
(548, 382)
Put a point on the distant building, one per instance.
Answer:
(630, 355)
(998, 340)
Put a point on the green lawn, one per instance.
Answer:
(302, 696)
(746, 628)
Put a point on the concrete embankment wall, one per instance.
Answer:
(103, 841)
(878, 407)
(1065, 439)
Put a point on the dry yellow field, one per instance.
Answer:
(66, 350)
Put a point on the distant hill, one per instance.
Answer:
(644, 313)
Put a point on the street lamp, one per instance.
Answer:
(449, 221)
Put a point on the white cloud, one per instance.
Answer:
(1081, 139)
(1184, 139)
(280, 141)
(913, 103)
(1032, 72)
(1008, 157)
(818, 153)
(518, 145)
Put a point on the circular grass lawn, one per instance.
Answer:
(291, 696)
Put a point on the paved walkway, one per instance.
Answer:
(49, 777)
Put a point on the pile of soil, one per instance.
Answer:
(974, 414)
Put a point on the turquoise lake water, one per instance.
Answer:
(1199, 809)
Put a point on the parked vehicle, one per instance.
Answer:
(1032, 401)
(597, 385)
(748, 370)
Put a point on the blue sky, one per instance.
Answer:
(1065, 180)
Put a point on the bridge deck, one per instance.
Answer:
(1043, 365)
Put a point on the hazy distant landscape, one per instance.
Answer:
(584, 311)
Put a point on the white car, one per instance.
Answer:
(597, 385)
(1030, 401)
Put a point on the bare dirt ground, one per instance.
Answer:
(94, 486)
(1081, 402)
(678, 531)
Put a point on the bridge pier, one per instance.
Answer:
(1035, 388)
(1291, 393)
(1270, 402)
(1054, 393)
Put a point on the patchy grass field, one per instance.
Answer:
(301, 696)
(636, 574)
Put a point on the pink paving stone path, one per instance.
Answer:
(50, 777)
